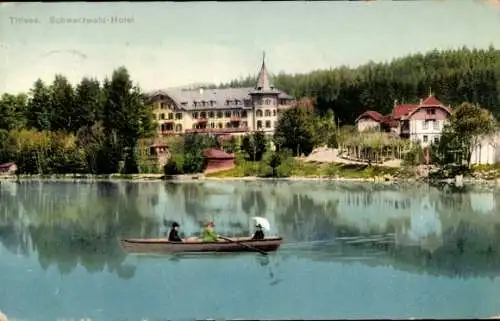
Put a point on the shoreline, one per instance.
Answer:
(203, 177)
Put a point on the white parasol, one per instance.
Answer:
(263, 222)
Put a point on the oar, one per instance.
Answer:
(243, 244)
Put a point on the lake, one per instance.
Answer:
(352, 250)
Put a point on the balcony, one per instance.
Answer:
(235, 119)
(202, 120)
(218, 130)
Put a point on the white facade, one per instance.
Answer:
(367, 124)
(426, 131)
(487, 151)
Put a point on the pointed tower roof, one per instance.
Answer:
(263, 82)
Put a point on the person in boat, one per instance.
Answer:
(208, 234)
(173, 236)
(259, 233)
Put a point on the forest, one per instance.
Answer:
(453, 76)
(92, 128)
(96, 127)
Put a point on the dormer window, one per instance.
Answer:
(236, 101)
(194, 104)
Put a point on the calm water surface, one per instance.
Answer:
(352, 251)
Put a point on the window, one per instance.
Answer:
(162, 116)
(268, 124)
(227, 114)
(178, 116)
(203, 115)
(236, 101)
(436, 139)
(236, 114)
(211, 114)
(436, 125)
(244, 114)
(194, 103)
(274, 112)
(220, 125)
(267, 102)
(259, 124)
(425, 139)
(228, 125)
(212, 125)
(170, 115)
(431, 111)
(267, 113)
(178, 128)
(195, 115)
(244, 124)
(425, 124)
(259, 113)
(219, 114)
(162, 105)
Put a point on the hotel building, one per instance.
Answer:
(231, 111)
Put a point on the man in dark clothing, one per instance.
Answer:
(173, 236)
(259, 234)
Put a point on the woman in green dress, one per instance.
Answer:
(208, 234)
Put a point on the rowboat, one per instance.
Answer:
(237, 244)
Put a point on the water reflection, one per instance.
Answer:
(420, 228)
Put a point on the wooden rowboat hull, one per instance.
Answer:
(164, 246)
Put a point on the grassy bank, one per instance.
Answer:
(86, 177)
(296, 168)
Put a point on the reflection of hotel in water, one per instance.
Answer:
(220, 202)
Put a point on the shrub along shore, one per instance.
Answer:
(296, 170)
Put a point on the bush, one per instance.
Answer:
(174, 165)
(194, 162)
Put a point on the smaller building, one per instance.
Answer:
(8, 168)
(487, 151)
(217, 160)
(370, 120)
(422, 122)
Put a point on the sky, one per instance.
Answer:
(169, 44)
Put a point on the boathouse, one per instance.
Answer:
(8, 168)
(217, 160)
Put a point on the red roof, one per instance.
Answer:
(373, 115)
(217, 154)
(7, 165)
(431, 101)
(401, 110)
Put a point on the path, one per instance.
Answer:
(330, 155)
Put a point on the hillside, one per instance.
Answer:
(453, 76)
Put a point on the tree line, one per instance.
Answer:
(454, 76)
(89, 128)
(95, 127)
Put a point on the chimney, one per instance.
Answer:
(421, 101)
(201, 91)
(395, 102)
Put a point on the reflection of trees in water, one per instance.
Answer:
(305, 220)
(253, 202)
(194, 199)
(79, 224)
